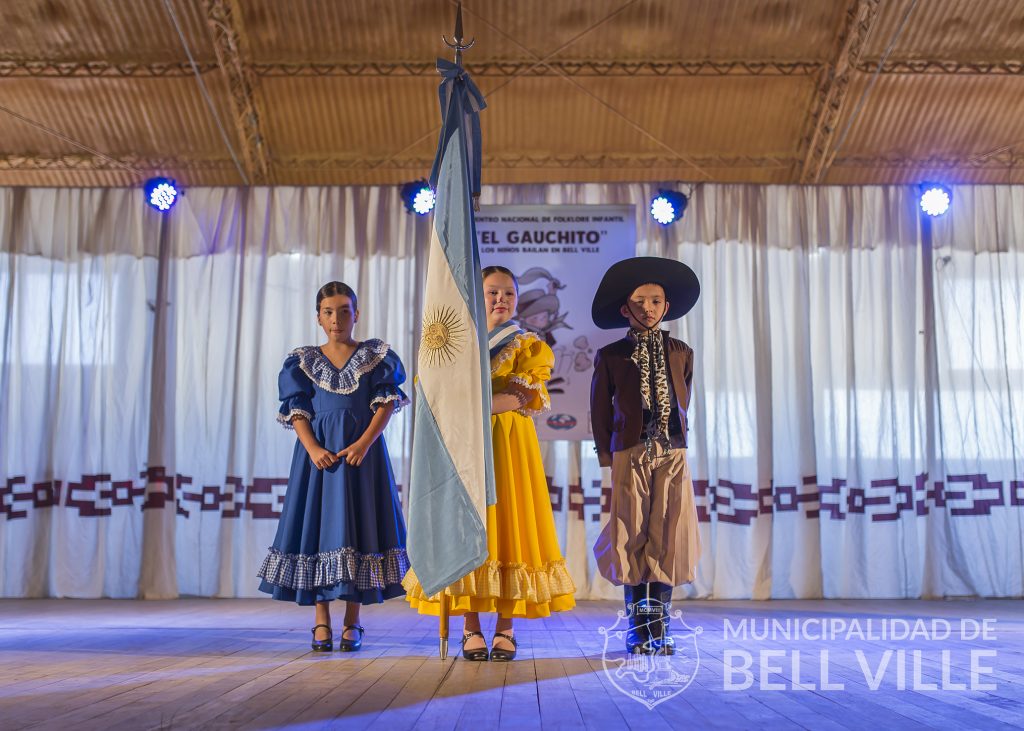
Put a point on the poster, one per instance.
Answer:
(559, 254)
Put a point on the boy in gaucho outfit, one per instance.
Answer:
(638, 401)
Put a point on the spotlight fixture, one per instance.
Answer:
(418, 197)
(935, 198)
(668, 206)
(161, 193)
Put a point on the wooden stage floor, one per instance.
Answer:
(202, 663)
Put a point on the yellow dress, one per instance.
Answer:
(524, 574)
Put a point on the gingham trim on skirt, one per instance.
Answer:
(342, 565)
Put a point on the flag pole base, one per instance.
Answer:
(442, 629)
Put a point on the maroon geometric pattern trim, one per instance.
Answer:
(727, 501)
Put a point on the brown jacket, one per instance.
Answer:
(616, 407)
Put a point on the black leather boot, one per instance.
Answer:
(662, 633)
(637, 639)
(649, 616)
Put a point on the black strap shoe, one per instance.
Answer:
(322, 645)
(500, 655)
(477, 655)
(350, 645)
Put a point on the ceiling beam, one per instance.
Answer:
(101, 69)
(664, 67)
(897, 67)
(229, 42)
(678, 67)
(833, 85)
(129, 163)
(1004, 160)
(530, 67)
(12, 161)
(920, 66)
(982, 161)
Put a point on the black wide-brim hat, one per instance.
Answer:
(679, 282)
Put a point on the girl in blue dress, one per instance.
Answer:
(341, 534)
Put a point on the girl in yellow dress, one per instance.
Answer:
(525, 574)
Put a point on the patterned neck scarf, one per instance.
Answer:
(649, 356)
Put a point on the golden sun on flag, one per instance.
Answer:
(443, 336)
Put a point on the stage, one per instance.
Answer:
(204, 663)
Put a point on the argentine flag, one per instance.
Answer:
(452, 477)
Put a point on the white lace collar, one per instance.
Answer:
(345, 380)
(511, 348)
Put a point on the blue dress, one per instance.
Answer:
(341, 534)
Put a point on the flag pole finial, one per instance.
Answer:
(458, 44)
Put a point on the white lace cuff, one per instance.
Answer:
(285, 420)
(400, 399)
(545, 400)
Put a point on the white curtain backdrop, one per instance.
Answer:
(857, 426)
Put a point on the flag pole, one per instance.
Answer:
(443, 628)
(458, 45)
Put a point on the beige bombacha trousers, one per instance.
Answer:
(651, 535)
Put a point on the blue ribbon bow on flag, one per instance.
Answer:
(458, 86)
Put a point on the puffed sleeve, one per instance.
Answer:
(295, 391)
(532, 370)
(385, 381)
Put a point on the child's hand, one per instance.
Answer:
(354, 453)
(507, 401)
(322, 458)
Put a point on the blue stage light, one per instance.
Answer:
(418, 197)
(161, 193)
(668, 206)
(935, 198)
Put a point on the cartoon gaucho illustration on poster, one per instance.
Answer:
(559, 254)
